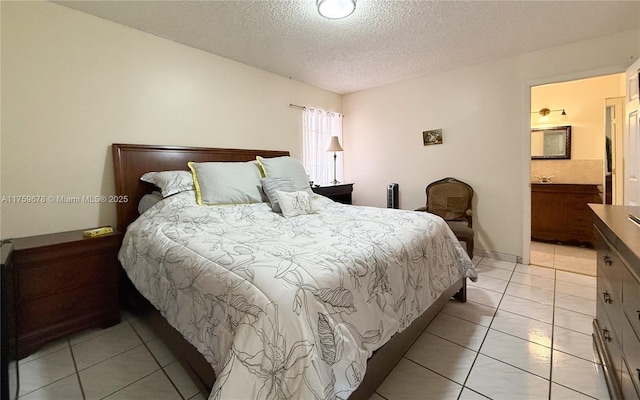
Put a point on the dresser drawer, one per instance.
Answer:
(612, 344)
(44, 279)
(610, 266)
(631, 298)
(629, 389)
(48, 311)
(631, 349)
(609, 301)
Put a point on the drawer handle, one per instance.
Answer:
(605, 334)
(607, 298)
(607, 260)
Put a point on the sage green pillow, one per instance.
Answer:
(221, 183)
(286, 167)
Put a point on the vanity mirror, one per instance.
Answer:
(551, 143)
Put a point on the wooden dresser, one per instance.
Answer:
(64, 283)
(616, 329)
(559, 212)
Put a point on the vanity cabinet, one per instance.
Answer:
(559, 212)
(616, 329)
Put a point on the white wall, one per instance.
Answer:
(484, 113)
(73, 84)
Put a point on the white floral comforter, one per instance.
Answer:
(289, 308)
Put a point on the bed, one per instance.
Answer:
(321, 305)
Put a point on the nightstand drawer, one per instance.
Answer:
(51, 310)
(45, 279)
(64, 282)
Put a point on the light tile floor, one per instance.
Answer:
(124, 362)
(566, 258)
(524, 333)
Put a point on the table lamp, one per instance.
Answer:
(334, 146)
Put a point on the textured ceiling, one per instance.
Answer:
(380, 43)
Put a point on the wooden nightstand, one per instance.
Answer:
(64, 283)
(340, 192)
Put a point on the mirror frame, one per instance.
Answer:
(567, 143)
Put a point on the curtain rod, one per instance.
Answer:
(303, 108)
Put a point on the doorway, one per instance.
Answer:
(614, 156)
(582, 105)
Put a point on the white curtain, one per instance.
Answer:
(318, 126)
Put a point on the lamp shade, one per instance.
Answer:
(334, 145)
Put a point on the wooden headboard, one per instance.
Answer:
(131, 161)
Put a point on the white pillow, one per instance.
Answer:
(170, 182)
(288, 167)
(220, 183)
(294, 203)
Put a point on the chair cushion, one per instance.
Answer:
(449, 207)
(460, 229)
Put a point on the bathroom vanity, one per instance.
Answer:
(559, 212)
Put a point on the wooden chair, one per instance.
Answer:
(450, 199)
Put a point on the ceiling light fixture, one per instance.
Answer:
(336, 9)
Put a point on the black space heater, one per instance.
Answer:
(392, 196)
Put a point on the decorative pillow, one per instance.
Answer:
(294, 203)
(170, 182)
(269, 187)
(226, 182)
(279, 167)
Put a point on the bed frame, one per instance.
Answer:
(131, 161)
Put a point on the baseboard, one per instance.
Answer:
(498, 256)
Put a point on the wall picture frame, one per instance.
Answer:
(432, 137)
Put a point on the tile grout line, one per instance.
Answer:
(75, 367)
(113, 356)
(20, 395)
(464, 385)
(158, 362)
(130, 384)
(162, 368)
(553, 328)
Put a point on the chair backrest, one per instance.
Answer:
(450, 199)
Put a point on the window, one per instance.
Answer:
(318, 126)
